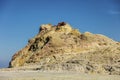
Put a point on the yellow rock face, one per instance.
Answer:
(61, 47)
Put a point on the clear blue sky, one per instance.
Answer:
(20, 20)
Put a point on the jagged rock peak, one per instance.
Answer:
(62, 27)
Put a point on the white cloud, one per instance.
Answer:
(114, 12)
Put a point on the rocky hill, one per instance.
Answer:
(62, 48)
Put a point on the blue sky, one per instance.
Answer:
(20, 20)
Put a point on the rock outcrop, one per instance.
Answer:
(61, 47)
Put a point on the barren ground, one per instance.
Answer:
(38, 75)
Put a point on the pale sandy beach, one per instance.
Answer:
(38, 75)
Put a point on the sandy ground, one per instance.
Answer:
(37, 75)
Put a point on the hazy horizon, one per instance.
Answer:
(20, 20)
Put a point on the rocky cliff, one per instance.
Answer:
(62, 48)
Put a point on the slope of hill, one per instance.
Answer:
(62, 48)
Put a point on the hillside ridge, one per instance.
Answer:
(62, 48)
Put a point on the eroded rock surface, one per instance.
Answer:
(61, 47)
